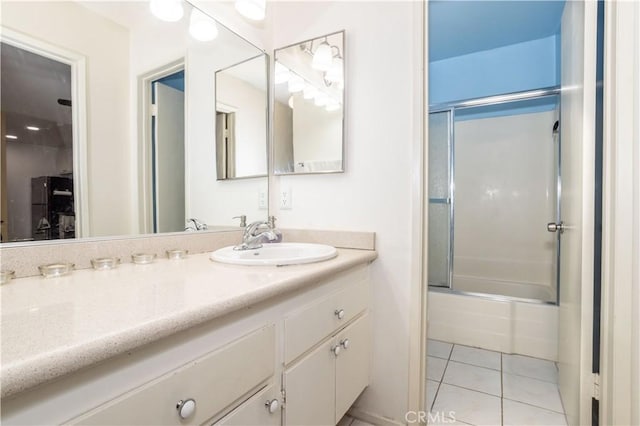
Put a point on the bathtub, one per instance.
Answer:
(494, 323)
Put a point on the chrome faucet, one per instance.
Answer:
(258, 233)
(194, 224)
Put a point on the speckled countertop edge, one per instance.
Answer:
(41, 368)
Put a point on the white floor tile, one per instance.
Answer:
(540, 369)
(531, 391)
(476, 356)
(467, 406)
(435, 368)
(432, 388)
(518, 414)
(345, 421)
(439, 349)
(473, 377)
(437, 420)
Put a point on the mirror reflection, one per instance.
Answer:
(241, 128)
(309, 106)
(109, 120)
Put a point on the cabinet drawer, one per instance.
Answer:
(255, 412)
(312, 323)
(213, 381)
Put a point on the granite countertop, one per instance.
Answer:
(53, 327)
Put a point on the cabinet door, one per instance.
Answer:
(310, 388)
(256, 410)
(352, 364)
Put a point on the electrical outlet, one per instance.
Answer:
(286, 203)
(262, 200)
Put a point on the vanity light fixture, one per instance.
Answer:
(332, 105)
(12, 137)
(167, 10)
(282, 73)
(33, 128)
(309, 92)
(321, 99)
(335, 73)
(201, 26)
(322, 57)
(296, 83)
(252, 9)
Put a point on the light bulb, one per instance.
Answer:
(322, 58)
(310, 91)
(335, 73)
(167, 10)
(202, 27)
(332, 105)
(282, 73)
(321, 99)
(252, 9)
(296, 83)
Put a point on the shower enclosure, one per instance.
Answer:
(494, 191)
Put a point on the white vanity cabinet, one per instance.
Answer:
(262, 409)
(197, 391)
(334, 337)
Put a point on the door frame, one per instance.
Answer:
(620, 343)
(78, 66)
(145, 136)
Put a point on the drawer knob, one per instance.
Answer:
(272, 405)
(336, 350)
(345, 343)
(339, 313)
(186, 408)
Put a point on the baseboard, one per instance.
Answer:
(372, 418)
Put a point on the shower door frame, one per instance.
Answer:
(451, 108)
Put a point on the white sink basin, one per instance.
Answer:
(276, 254)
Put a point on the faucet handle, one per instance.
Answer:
(243, 220)
(272, 222)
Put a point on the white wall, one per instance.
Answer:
(505, 183)
(105, 46)
(375, 192)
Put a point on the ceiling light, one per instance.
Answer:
(202, 27)
(252, 9)
(167, 10)
(33, 128)
(282, 73)
(322, 58)
(310, 91)
(321, 99)
(13, 137)
(296, 83)
(335, 74)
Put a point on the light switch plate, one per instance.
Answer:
(262, 199)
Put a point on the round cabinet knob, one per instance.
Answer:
(339, 313)
(272, 405)
(345, 343)
(336, 350)
(186, 408)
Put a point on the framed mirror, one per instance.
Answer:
(108, 115)
(309, 106)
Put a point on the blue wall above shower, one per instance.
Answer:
(481, 48)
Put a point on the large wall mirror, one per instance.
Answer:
(308, 110)
(109, 120)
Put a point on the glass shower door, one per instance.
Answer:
(440, 199)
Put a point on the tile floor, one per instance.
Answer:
(479, 387)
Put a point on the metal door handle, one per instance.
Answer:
(553, 227)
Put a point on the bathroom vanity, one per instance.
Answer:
(188, 342)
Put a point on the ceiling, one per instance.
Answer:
(460, 27)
